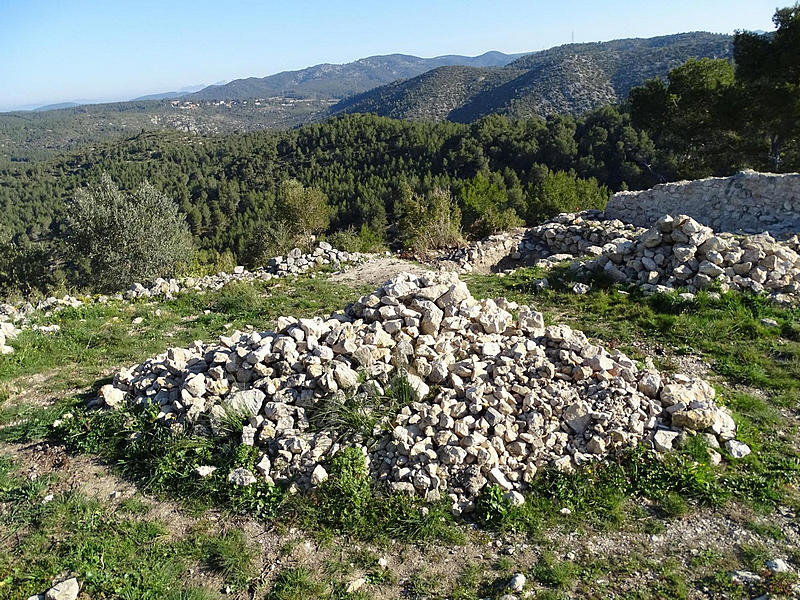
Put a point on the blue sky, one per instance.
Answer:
(60, 50)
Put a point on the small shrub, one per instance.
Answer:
(210, 262)
(551, 572)
(305, 211)
(237, 299)
(345, 497)
(485, 208)
(429, 222)
(275, 238)
(563, 191)
(231, 556)
(365, 240)
(356, 415)
(672, 505)
(491, 508)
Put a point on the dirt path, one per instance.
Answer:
(377, 271)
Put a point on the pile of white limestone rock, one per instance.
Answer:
(8, 332)
(676, 253)
(294, 263)
(680, 252)
(511, 395)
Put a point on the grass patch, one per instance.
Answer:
(298, 583)
(672, 505)
(467, 583)
(554, 573)
(111, 556)
(726, 332)
(356, 416)
(423, 585)
(95, 337)
(230, 555)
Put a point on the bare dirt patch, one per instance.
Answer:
(377, 271)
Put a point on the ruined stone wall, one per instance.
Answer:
(747, 202)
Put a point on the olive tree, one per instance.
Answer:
(117, 238)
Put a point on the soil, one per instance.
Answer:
(377, 271)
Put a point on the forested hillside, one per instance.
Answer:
(226, 185)
(377, 181)
(35, 135)
(573, 78)
(569, 79)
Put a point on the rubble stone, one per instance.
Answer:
(512, 396)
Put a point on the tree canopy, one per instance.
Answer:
(118, 238)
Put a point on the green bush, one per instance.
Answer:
(346, 495)
(119, 238)
(484, 208)
(26, 269)
(275, 238)
(563, 191)
(428, 222)
(365, 240)
(305, 211)
(491, 507)
(210, 262)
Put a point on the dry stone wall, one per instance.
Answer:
(675, 253)
(748, 202)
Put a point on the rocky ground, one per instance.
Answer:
(499, 394)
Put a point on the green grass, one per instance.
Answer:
(134, 506)
(112, 555)
(356, 416)
(297, 584)
(727, 333)
(229, 554)
(96, 337)
(672, 504)
(554, 573)
(423, 585)
(467, 583)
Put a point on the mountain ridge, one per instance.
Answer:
(572, 78)
(339, 80)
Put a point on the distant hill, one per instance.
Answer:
(161, 96)
(572, 78)
(343, 80)
(168, 95)
(58, 106)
